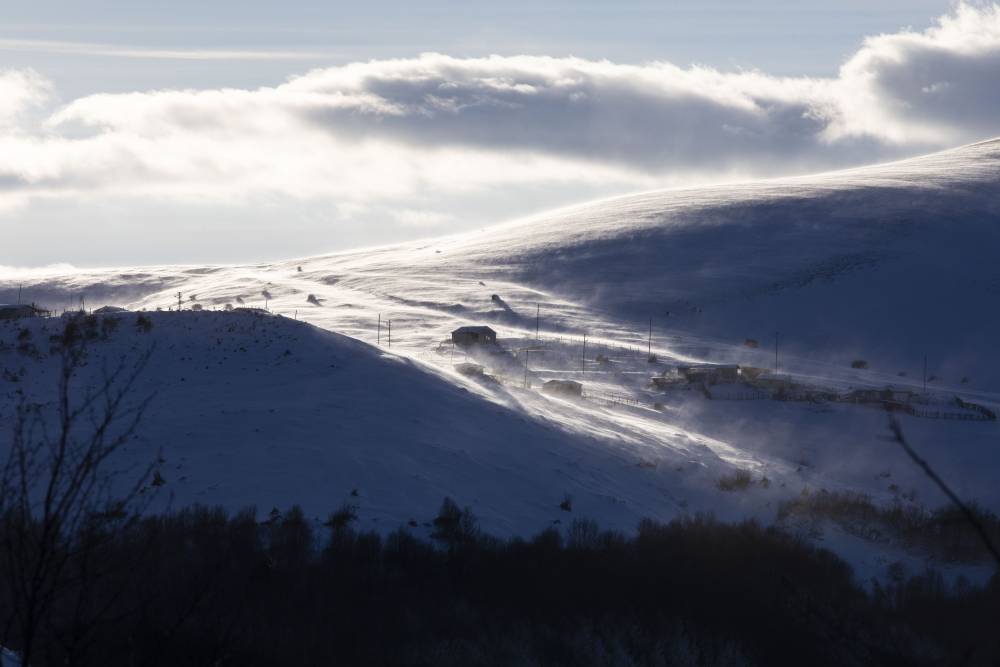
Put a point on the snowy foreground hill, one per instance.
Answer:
(887, 264)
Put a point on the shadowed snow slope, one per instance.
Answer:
(258, 410)
(887, 263)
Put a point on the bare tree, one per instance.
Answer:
(59, 494)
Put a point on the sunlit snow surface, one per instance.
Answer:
(887, 263)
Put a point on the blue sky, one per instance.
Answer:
(138, 132)
(781, 37)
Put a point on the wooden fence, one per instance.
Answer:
(740, 396)
(613, 399)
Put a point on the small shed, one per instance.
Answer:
(471, 336)
(20, 310)
(711, 373)
(570, 388)
(667, 382)
(469, 369)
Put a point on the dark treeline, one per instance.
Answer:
(199, 587)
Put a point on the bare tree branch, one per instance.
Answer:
(58, 500)
(970, 516)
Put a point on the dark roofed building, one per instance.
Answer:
(473, 335)
(711, 373)
(20, 310)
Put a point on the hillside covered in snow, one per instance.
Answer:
(888, 265)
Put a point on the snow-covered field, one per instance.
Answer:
(889, 264)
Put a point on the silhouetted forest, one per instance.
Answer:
(199, 587)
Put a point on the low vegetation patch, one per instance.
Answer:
(740, 480)
(945, 532)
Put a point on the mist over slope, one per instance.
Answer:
(890, 262)
(886, 263)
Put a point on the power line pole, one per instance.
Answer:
(775, 352)
(19, 286)
(649, 342)
(178, 302)
(526, 352)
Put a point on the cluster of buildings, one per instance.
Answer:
(20, 311)
(713, 374)
(484, 338)
(734, 381)
(761, 383)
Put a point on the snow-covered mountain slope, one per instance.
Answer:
(258, 410)
(888, 263)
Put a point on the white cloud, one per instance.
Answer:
(400, 139)
(20, 92)
(940, 86)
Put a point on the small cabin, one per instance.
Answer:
(19, 311)
(472, 336)
(570, 388)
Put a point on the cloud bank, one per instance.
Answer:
(400, 139)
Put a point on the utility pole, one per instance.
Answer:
(526, 352)
(775, 352)
(378, 340)
(537, 311)
(649, 342)
(19, 286)
(179, 302)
